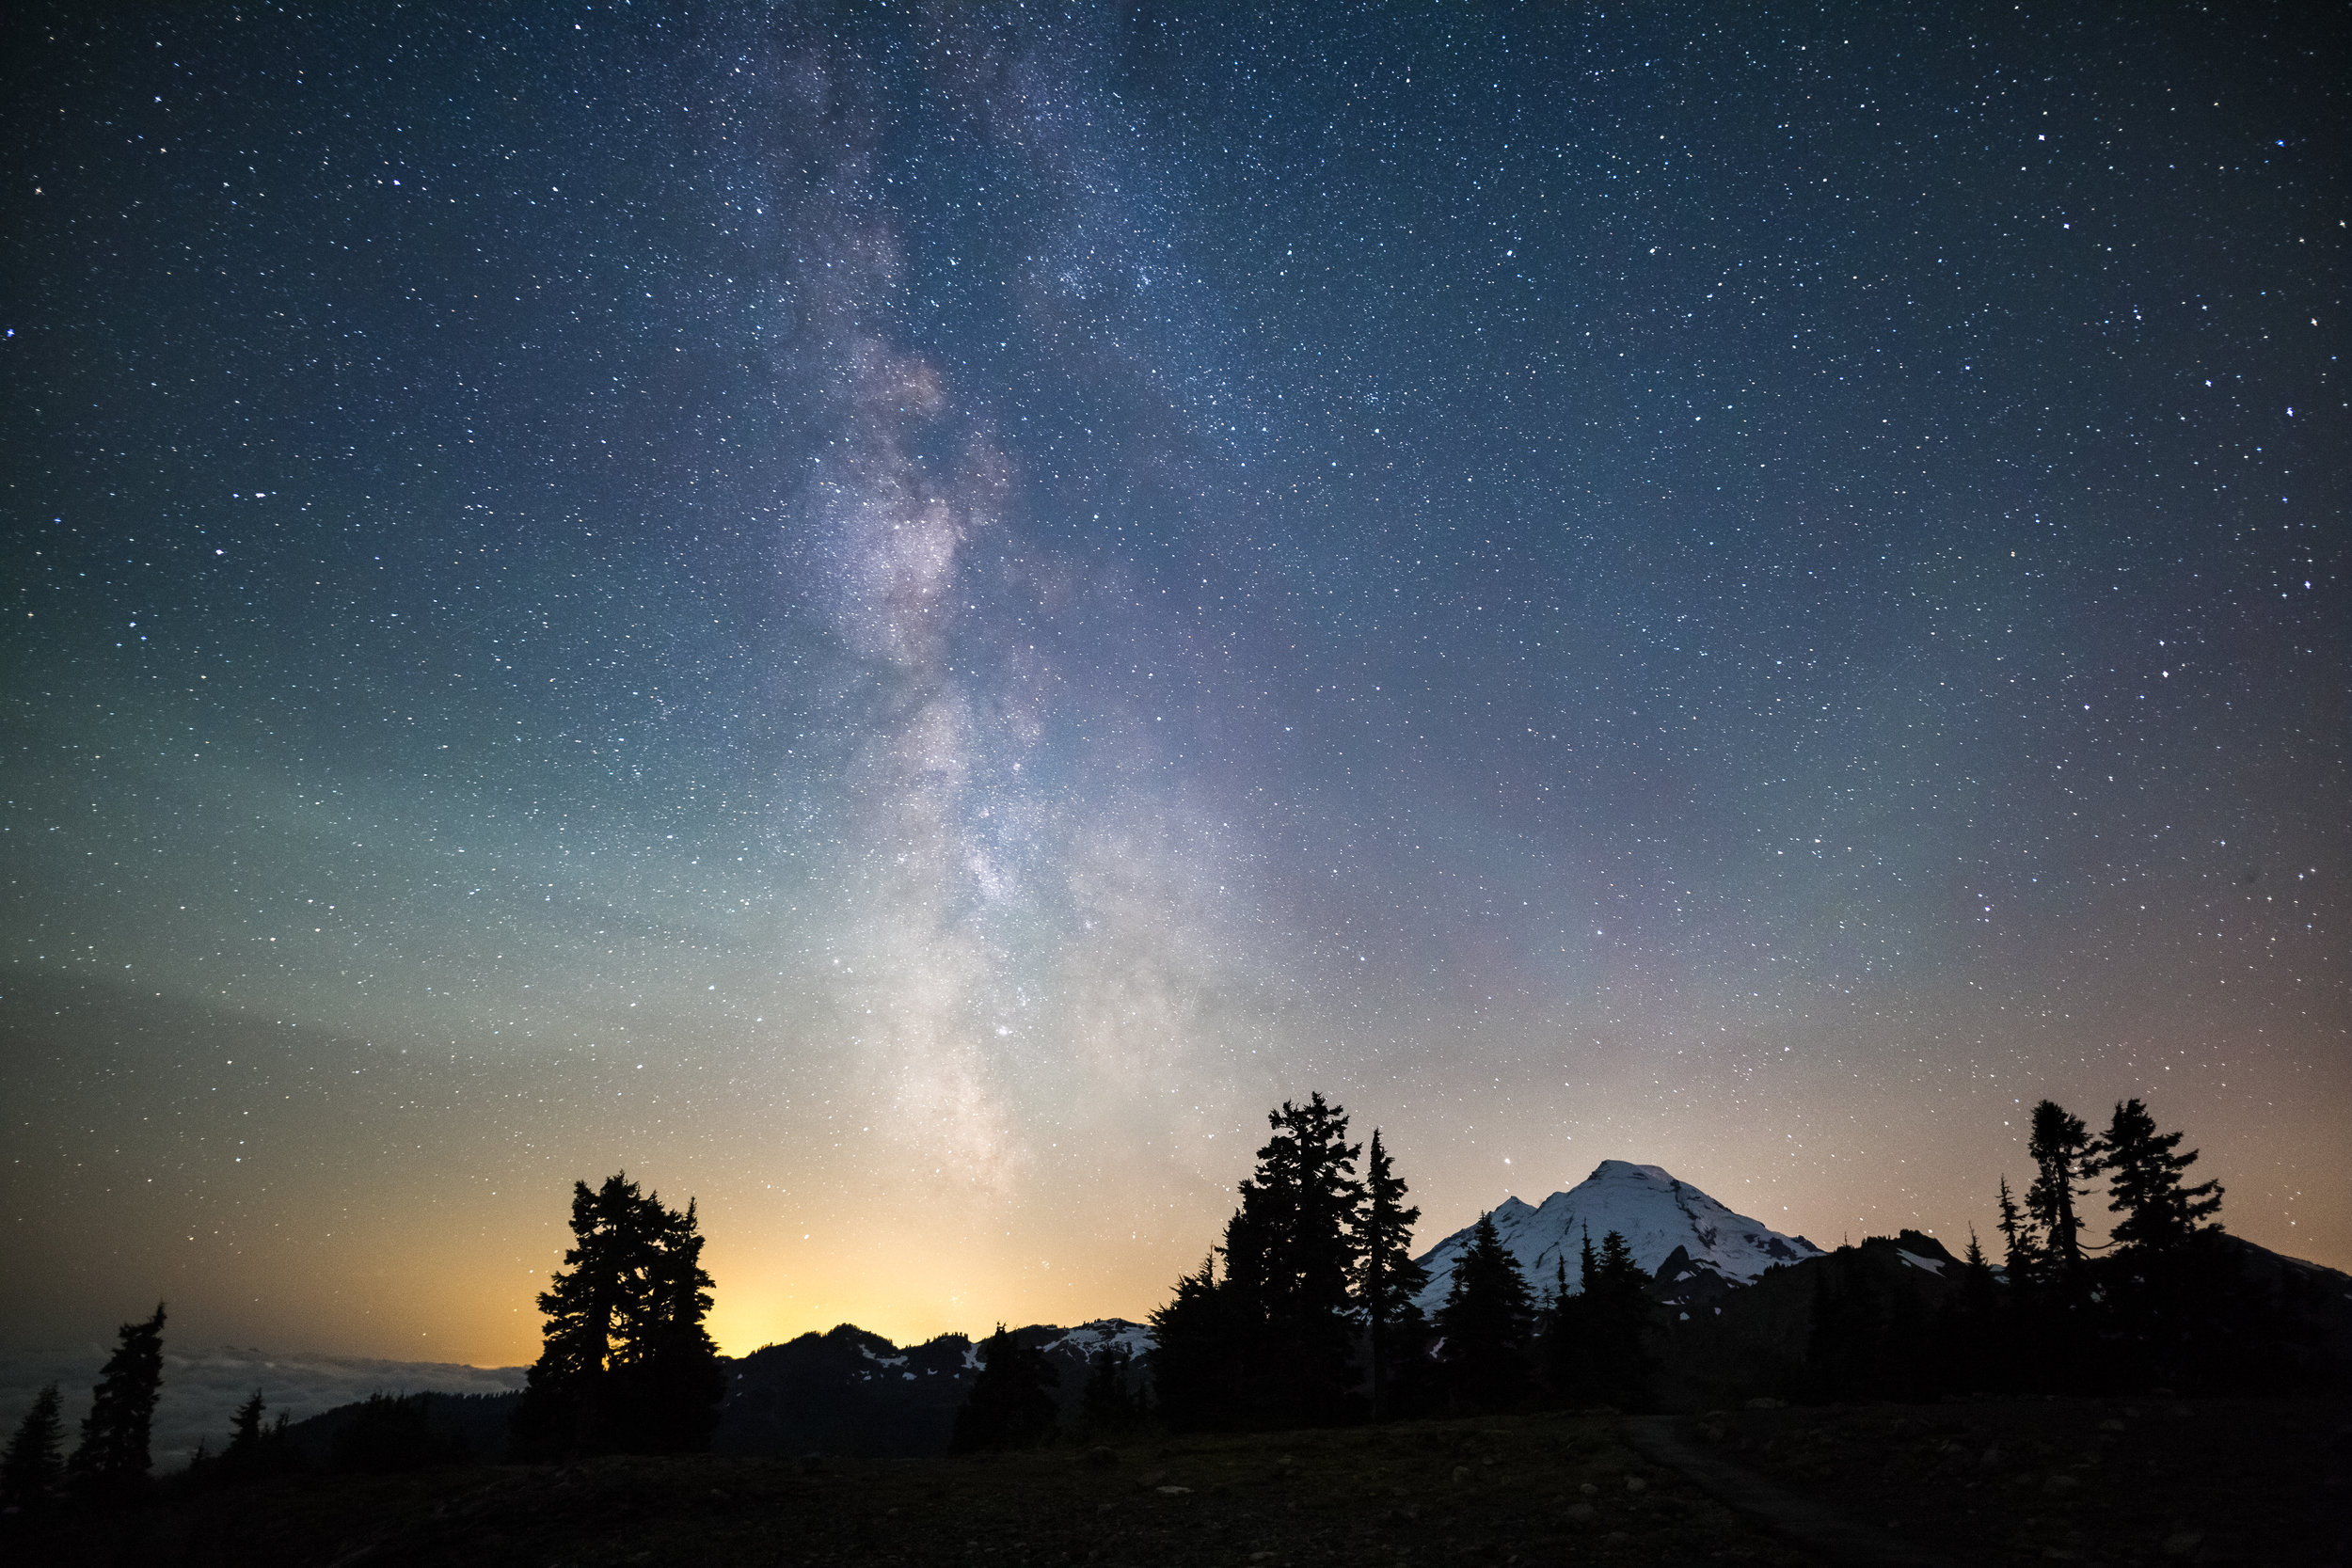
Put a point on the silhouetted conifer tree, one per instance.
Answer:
(1289, 1257)
(112, 1453)
(1974, 1319)
(1271, 1341)
(2173, 1304)
(626, 1365)
(1200, 1347)
(2144, 1183)
(1111, 1401)
(1559, 1343)
(257, 1449)
(1486, 1324)
(2060, 1147)
(32, 1472)
(1615, 1313)
(1012, 1402)
(245, 1431)
(671, 1380)
(2021, 1257)
(1387, 1280)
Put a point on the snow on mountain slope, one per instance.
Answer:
(1654, 1212)
(1102, 1334)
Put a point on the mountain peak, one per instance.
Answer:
(1619, 1170)
(1656, 1213)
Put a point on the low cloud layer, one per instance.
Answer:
(202, 1389)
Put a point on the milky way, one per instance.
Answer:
(897, 619)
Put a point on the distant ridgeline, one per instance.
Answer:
(1739, 1311)
(842, 1392)
(1631, 1290)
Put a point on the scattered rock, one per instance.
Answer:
(1102, 1458)
(1767, 1403)
(1636, 1485)
(1461, 1472)
(1173, 1491)
(1589, 1490)
(2059, 1486)
(1583, 1513)
(2184, 1542)
(2111, 1424)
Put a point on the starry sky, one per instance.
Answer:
(898, 617)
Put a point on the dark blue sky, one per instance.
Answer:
(901, 616)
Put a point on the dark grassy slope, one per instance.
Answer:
(1991, 1481)
(1484, 1491)
(2069, 1480)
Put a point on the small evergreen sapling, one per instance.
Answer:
(32, 1472)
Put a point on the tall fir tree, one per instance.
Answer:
(625, 1364)
(1486, 1324)
(1288, 1259)
(2059, 1147)
(1271, 1342)
(2144, 1183)
(2021, 1255)
(32, 1471)
(1387, 1280)
(2175, 1308)
(1011, 1402)
(670, 1377)
(1615, 1316)
(113, 1454)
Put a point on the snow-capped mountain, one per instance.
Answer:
(1656, 1214)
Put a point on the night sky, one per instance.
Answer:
(899, 618)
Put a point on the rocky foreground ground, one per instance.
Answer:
(1994, 1483)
